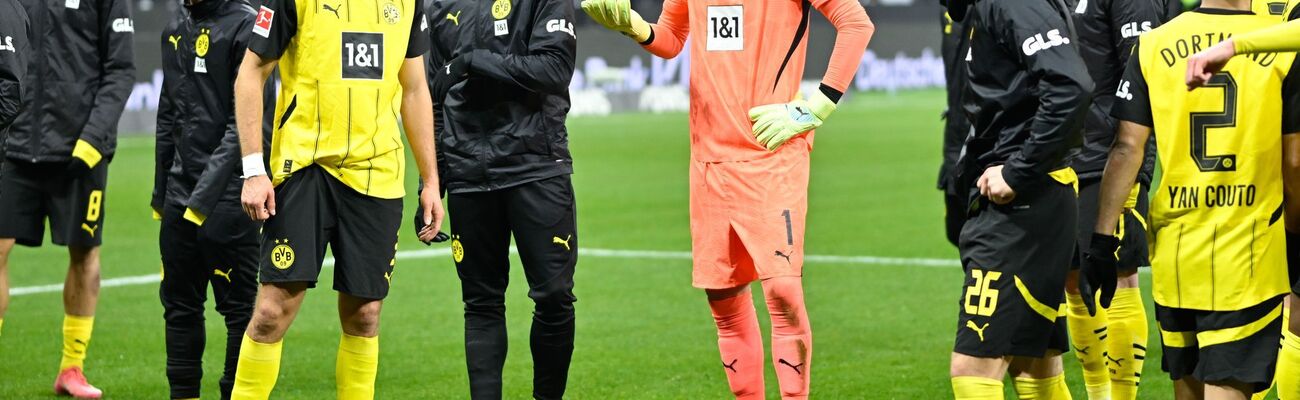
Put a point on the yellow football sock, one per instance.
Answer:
(76, 337)
(358, 363)
(1088, 335)
(1042, 389)
(976, 388)
(1288, 367)
(258, 368)
(1127, 343)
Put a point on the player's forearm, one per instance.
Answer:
(668, 35)
(1122, 166)
(1056, 126)
(248, 104)
(543, 72)
(1280, 38)
(853, 31)
(110, 97)
(417, 119)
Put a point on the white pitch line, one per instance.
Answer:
(598, 253)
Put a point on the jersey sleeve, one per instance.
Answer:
(275, 26)
(13, 64)
(418, 43)
(853, 32)
(1038, 35)
(1275, 39)
(116, 50)
(1128, 20)
(1291, 100)
(668, 35)
(1133, 101)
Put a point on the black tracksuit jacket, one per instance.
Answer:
(14, 52)
(1107, 30)
(504, 125)
(956, 125)
(197, 150)
(1027, 94)
(81, 74)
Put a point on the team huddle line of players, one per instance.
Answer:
(1088, 98)
(251, 189)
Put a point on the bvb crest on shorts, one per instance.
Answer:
(391, 14)
(500, 9)
(282, 255)
(202, 43)
(457, 249)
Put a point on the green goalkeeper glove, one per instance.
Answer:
(618, 15)
(774, 124)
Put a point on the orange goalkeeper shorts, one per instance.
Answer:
(747, 217)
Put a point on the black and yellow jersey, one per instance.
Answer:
(340, 96)
(1218, 240)
(1279, 9)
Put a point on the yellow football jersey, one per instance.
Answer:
(1218, 241)
(340, 95)
(1279, 9)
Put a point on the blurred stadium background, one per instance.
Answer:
(882, 282)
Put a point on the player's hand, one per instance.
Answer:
(1099, 274)
(258, 198)
(775, 124)
(451, 73)
(994, 187)
(422, 226)
(1202, 66)
(430, 213)
(618, 16)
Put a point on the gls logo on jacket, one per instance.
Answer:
(1134, 29)
(123, 25)
(1037, 43)
(8, 44)
(559, 25)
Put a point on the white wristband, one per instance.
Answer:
(253, 165)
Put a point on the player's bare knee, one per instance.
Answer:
(269, 320)
(83, 258)
(1048, 366)
(362, 320)
(983, 367)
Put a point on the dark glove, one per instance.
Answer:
(419, 226)
(446, 76)
(78, 168)
(1098, 272)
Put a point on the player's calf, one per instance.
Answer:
(791, 335)
(739, 341)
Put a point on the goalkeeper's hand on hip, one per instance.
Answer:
(775, 124)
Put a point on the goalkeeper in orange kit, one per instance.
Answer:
(750, 145)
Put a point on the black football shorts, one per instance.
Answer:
(1222, 346)
(74, 204)
(1016, 257)
(1133, 249)
(313, 210)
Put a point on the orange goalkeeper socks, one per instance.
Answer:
(791, 336)
(740, 343)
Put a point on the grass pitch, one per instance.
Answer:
(882, 330)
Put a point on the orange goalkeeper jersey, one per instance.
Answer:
(750, 53)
